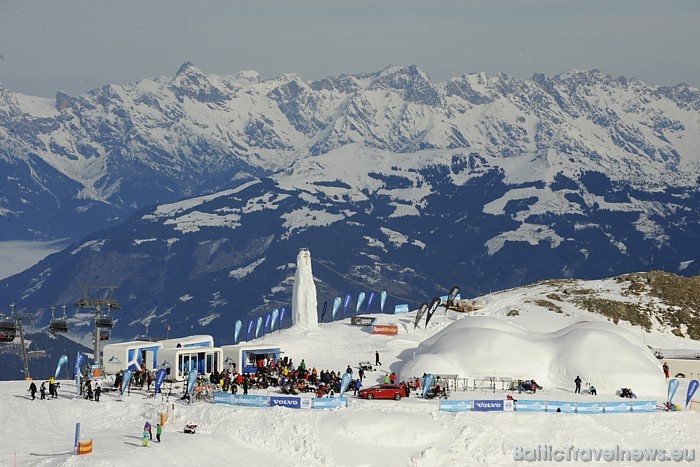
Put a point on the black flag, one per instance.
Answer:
(451, 297)
(433, 307)
(421, 311)
(325, 307)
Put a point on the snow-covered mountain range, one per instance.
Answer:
(76, 164)
(391, 180)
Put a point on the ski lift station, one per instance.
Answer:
(244, 357)
(179, 356)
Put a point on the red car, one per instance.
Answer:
(383, 391)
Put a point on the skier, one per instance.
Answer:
(376, 358)
(578, 385)
(159, 431)
(42, 389)
(32, 390)
(666, 370)
(98, 391)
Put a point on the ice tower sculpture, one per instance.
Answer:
(304, 304)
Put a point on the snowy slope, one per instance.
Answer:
(409, 432)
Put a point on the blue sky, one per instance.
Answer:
(78, 45)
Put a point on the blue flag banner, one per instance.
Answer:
(382, 301)
(258, 327)
(370, 300)
(126, 377)
(427, 384)
(672, 386)
(79, 358)
(266, 328)
(191, 380)
(360, 301)
(249, 330)
(336, 306)
(237, 331)
(61, 361)
(283, 311)
(274, 318)
(692, 387)
(160, 377)
(346, 303)
(325, 308)
(344, 383)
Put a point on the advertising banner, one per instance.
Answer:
(362, 320)
(617, 407)
(401, 309)
(275, 317)
(589, 407)
(455, 406)
(336, 306)
(160, 377)
(346, 303)
(385, 330)
(360, 301)
(370, 300)
(692, 388)
(672, 386)
(237, 330)
(524, 405)
(566, 407)
(643, 406)
(235, 399)
(290, 402)
(488, 406)
(61, 362)
(382, 301)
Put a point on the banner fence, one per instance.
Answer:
(282, 401)
(525, 405)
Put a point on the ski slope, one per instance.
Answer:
(405, 433)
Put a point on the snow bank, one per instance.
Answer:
(601, 353)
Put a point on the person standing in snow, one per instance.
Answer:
(98, 391)
(666, 370)
(159, 431)
(376, 358)
(32, 390)
(392, 378)
(361, 374)
(145, 437)
(245, 386)
(349, 370)
(42, 389)
(386, 378)
(578, 385)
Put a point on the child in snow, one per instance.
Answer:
(145, 437)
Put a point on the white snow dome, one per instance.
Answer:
(601, 353)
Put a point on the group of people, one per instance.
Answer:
(53, 389)
(148, 433)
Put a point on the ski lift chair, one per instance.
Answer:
(105, 322)
(8, 330)
(104, 334)
(58, 325)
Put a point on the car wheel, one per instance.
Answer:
(370, 396)
(397, 397)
